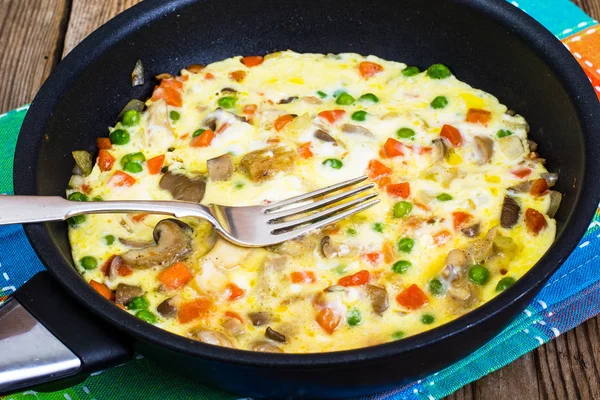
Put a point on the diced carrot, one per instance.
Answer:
(282, 121)
(398, 189)
(332, 116)
(539, 187)
(124, 270)
(204, 140)
(252, 61)
(424, 150)
(139, 217)
(249, 111)
(233, 314)
(460, 219)
(367, 69)
(194, 68)
(304, 150)
(452, 135)
(393, 148)
(359, 278)
(209, 76)
(235, 292)
(328, 319)
(105, 160)
(273, 139)
(194, 309)
(222, 128)
(422, 206)
(383, 182)
(521, 172)
(303, 277)
(121, 178)
(170, 90)
(412, 298)
(388, 251)
(155, 164)
(184, 136)
(378, 169)
(237, 76)
(175, 276)
(441, 237)
(102, 289)
(85, 188)
(373, 257)
(103, 143)
(534, 221)
(478, 116)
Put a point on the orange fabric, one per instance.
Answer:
(584, 46)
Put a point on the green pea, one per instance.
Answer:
(88, 262)
(133, 167)
(351, 232)
(402, 209)
(227, 102)
(198, 132)
(131, 118)
(405, 133)
(109, 239)
(97, 198)
(439, 102)
(321, 94)
(354, 317)
(444, 197)
(333, 163)
(427, 319)
(147, 316)
(503, 133)
(76, 220)
(398, 335)
(78, 196)
(406, 244)
(504, 284)
(174, 115)
(344, 99)
(138, 303)
(238, 185)
(359, 116)
(401, 266)
(436, 287)
(479, 274)
(369, 97)
(438, 71)
(133, 157)
(378, 227)
(119, 136)
(340, 269)
(411, 71)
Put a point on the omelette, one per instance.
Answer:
(466, 207)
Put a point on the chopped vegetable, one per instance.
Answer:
(369, 97)
(460, 219)
(321, 94)
(511, 146)
(479, 274)
(133, 167)
(333, 163)
(402, 209)
(427, 319)
(357, 279)
(405, 133)
(411, 71)
(351, 232)
(83, 160)
(198, 132)
(398, 335)
(534, 221)
(109, 239)
(359, 115)
(504, 284)
(521, 172)
(356, 129)
(406, 244)
(88, 262)
(373, 257)
(175, 276)
(344, 99)
(155, 164)
(436, 287)
(451, 134)
(227, 102)
(441, 237)
(170, 90)
(133, 157)
(274, 335)
(332, 116)
(503, 133)
(511, 210)
(120, 178)
(539, 187)
(368, 69)
(378, 227)
(102, 289)
(401, 266)
(137, 75)
(252, 61)
(398, 189)
(328, 319)
(438, 71)
(354, 317)
(377, 169)
(304, 150)
(282, 121)
(303, 277)
(235, 292)
(412, 298)
(147, 316)
(77, 196)
(194, 309)
(76, 220)
(393, 148)
(174, 115)
(204, 139)
(478, 116)
(439, 102)
(103, 143)
(119, 136)
(444, 197)
(138, 303)
(131, 118)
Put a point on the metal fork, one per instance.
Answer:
(249, 226)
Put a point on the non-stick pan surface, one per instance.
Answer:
(489, 44)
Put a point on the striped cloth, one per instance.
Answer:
(570, 297)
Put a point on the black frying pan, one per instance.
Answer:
(489, 44)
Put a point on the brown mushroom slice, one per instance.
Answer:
(357, 130)
(125, 293)
(219, 116)
(263, 164)
(265, 347)
(324, 136)
(523, 187)
(329, 249)
(137, 75)
(484, 148)
(511, 210)
(311, 100)
(167, 309)
(233, 326)
(272, 334)
(511, 146)
(457, 257)
(533, 146)
(259, 318)
(480, 249)
(379, 298)
(116, 263)
(212, 337)
(136, 244)
(471, 231)
(228, 90)
(555, 199)
(173, 244)
(439, 150)
(220, 168)
(550, 178)
(288, 100)
(183, 187)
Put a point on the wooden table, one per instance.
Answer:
(36, 34)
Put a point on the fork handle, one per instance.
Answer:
(28, 209)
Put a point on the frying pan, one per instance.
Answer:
(489, 44)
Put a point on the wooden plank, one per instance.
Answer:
(31, 43)
(87, 15)
(592, 7)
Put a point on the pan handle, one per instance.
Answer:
(48, 342)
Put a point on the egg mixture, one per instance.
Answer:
(466, 203)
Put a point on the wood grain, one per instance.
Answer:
(31, 43)
(591, 7)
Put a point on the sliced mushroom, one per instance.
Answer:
(356, 129)
(511, 210)
(134, 243)
(212, 337)
(125, 293)
(555, 199)
(335, 288)
(440, 150)
(471, 231)
(288, 100)
(173, 244)
(511, 146)
(228, 90)
(311, 100)
(485, 148)
(116, 266)
(219, 116)
(328, 249)
(523, 187)
(324, 136)
(167, 309)
(460, 293)
(266, 347)
(480, 249)
(533, 146)
(550, 177)
(259, 318)
(220, 168)
(137, 75)
(263, 164)
(183, 187)
(379, 298)
(274, 335)
(233, 326)
(457, 258)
